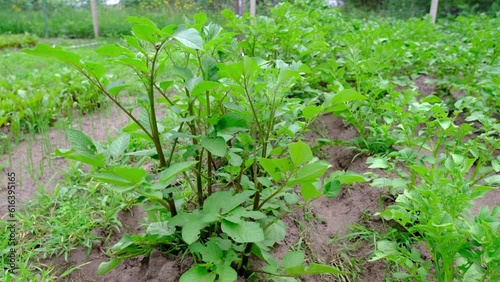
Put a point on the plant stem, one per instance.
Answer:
(115, 101)
(176, 140)
(199, 184)
(152, 114)
(154, 127)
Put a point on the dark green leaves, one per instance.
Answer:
(230, 124)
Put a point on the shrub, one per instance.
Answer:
(17, 40)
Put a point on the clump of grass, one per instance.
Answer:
(53, 224)
(18, 40)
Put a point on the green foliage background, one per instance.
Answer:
(417, 8)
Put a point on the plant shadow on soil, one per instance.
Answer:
(324, 219)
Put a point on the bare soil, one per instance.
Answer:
(314, 228)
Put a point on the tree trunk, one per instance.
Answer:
(434, 9)
(45, 18)
(241, 7)
(95, 20)
(252, 8)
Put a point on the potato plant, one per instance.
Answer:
(234, 147)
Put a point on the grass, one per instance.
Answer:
(54, 223)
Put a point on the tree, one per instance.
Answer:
(95, 20)
(434, 9)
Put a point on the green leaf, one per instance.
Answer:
(134, 63)
(245, 232)
(80, 142)
(271, 168)
(119, 145)
(91, 159)
(495, 164)
(492, 180)
(160, 228)
(190, 38)
(134, 42)
(309, 191)
(385, 248)
(292, 259)
(276, 232)
(191, 231)
(311, 111)
(332, 189)
(168, 30)
(342, 96)
(122, 176)
(276, 167)
(210, 69)
(199, 274)
(300, 153)
(217, 146)
(132, 174)
(442, 220)
(312, 270)
(45, 50)
(145, 32)
(223, 202)
(140, 20)
(226, 273)
(165, 85)
(475, 273)
(377, 163)
(116, 86)
(96, 70)
(480, 191)
(445, 124)
(171, 173)
(114, 50)
(211, 252)
(350, 177)
(124, 242)
(111, 178)
(204, 86)
(231, 123)
(309, 173)
(107, 266)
